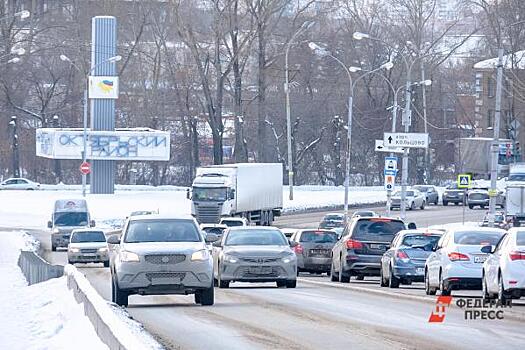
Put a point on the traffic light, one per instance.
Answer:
(432, 155)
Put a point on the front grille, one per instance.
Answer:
(162, 259)
(244, 272)
(208, 215)
(88, 251)
(259, 260)
(166, 275)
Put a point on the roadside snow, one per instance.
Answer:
(32, 209)
(41, 316)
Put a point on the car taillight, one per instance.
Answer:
(353, 244)
(458, 257)
(401, 255)
(515, 255)
(298, 249)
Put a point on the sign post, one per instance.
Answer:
(464, 181)
(390, 173)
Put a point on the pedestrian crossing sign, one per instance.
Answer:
(464, 180)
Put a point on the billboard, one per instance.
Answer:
(103, 87)
(121, 144)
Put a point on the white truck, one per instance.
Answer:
(515, 194)
(475, 156)
(250, 190)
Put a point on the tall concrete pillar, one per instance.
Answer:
(103, 47)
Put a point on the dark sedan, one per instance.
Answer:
(314, 250)
(404, 262)
(332, 220)
(430, 192)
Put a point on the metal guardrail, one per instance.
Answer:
(36, 269)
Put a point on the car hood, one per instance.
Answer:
(88, 245)
(258, 251)
(163, 247)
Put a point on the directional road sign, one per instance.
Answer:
(85, 168)
(407, 140)
(464, 180)
(380, 147)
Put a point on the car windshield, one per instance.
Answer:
(255, 237)
(209, 194)
(318, 237)
(452, 187)
(162, 231)
(333, 217)
(382, 230)
(232, 223)
(477, 238)
(71, 219)
(425, 241)
(499, 218)
(516, 177)
(520, 238)
(88, 236)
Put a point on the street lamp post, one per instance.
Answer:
(388, 65)
(16, 159)
(85, 109)
(306, 25)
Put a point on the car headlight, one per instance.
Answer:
(74, 250)
(200, 255)
(103, 249)
(231, 259)
(56, 230)
(126, 256)
(288, 259)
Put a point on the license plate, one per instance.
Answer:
(318, 251)
(420, 270)
(480, 259)
(377, 246)
(260, 270)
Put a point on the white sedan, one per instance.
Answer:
(457, 260)
(504, 270)
(19, 184)
(414, 199)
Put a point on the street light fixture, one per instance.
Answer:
(23, 14)
(85, 103)
(388, 65)
(305, 26)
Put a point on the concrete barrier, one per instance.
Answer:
(114, 327)
(36, 269)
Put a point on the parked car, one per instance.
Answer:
(88, 246)
(19, 184)
(457, 260)
(499, 221)
(453, 194)
(404, 262)
(504, 269)
(431, 193)
(216, 229)
(254, 254)
(314, 249)
(234, 221)
(480, 197)
(161, 255)
(364, 213)
(332, 220)
(414, 199)
(359, 251)
(289, 232)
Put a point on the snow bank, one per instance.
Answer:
(41, 316)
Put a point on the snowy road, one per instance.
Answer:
(317, 314)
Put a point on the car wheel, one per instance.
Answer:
(106, 263)
(484, 289)
(333, 276)
(393, 281)
(53, 248)
(382, 281)
(503, 296)
(457, 203)
(470, 206)
(223, 283)
(281, 284)
(412, 206)
(422, 205)
(342, 277)
(444, 291)
(436, 201)
(428, 289)
(119, 296)
(445, 203)
(291, 283)
(197, 297)
(207, 296)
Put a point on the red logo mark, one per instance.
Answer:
(439, 313)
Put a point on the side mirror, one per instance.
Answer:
(188, 194)
(435, 247)
(49, 224)
(412, 226)
(487, 249)
(211, 237)
(113, 239)
(232, 194)
(92, 223)
(217, 244)
(293, 244)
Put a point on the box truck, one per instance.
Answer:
(250, 190)
(515, 194)
(475, 156)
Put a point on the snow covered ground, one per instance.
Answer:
(40, 316)
(32, 209)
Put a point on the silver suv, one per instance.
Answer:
(162, 255)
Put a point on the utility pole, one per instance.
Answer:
(495, 143)
(426, 167)
(406, 122)
(58, 168)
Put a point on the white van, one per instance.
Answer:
(68, 215)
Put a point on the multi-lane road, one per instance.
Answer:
(318, 313)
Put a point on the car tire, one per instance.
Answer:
(444, 291)
(436, 201)
(445, 203)
(53, 248)
(342, 277)
(291, 283)
(503, 296)
(485, 295)
(223, 283)
(106, 263)
(428, 289)
(422, 207)
(280, 284)
(457, 203)
(333, 276)
(382, 281)
(197, 297)
(470, 206)
(393, 281)
(118, 296)
(207, 296)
